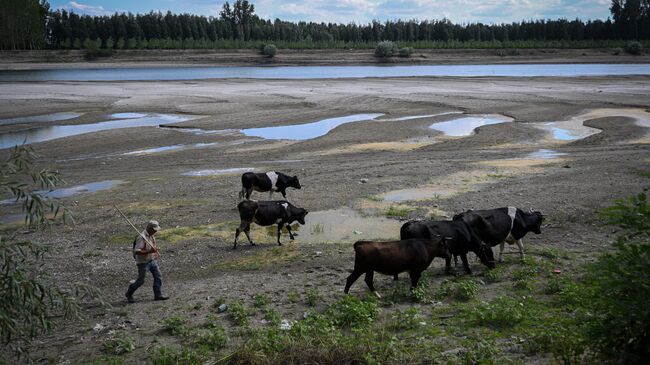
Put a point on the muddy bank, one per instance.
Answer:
(24, 60)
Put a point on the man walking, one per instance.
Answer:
(145, 252)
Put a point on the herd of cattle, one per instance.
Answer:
(420, 242)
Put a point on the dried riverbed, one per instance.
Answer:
(359, 178)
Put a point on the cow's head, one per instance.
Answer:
(294, 183)
(461, 216)
(300, 217)
(534, 221)
(486, 255)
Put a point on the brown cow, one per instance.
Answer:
(394, 257)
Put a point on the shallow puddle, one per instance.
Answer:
(43, 134)
(574, 128)
(465, 126)
(544, 154)
(74, 190)
(55, 117)
(343, 225)
(202, 173)
(300, 132)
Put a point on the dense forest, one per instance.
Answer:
(30, 24)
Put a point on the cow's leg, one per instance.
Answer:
(463, 257)
(448, 269)
(395, 277)
(242, 193)
(279, 233)
(284, 194)
(289, 230)
(237, 232)
(369, 281)
(248, 193)
(415, 278)
(520, 244)
(501, 248)
(351, 279)
(247, 231)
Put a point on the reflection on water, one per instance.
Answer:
(43, 134)
(545, 154)
(217, 172)
(466, 125)
(66, 192)
(127, 115)
(299, 132)
(55, 117)
(420, 193)
(322, 72)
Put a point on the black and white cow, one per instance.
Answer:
(501, 225)
(270, 181)
(267, 213)
(459, 237)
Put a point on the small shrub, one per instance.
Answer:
(167, 356)
(312, 297)
(176, 326)
(272, 316)
(555, 284)
(293, 296)
(397, 212)
(632, 213)
(494, 275)
(462, 290)
(499, 312)
(420, 293)
(481, 352)
(386, 49)
(466, 290)
(405, 52)
(633, 47)
(353, 312)
(239, 313)
(270, 50)
(119, 345)
(260, 300)
(215, 339)
(406, 320)
(561, 337)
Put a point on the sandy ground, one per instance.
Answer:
(487, 169)
(23, 60)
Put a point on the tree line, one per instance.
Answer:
(30, 24)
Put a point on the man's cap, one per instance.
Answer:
(153, 225)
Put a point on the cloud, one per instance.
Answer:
(85, 9)
(458, 11)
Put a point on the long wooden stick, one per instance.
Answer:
(139, 233)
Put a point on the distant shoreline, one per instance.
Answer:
(68, 59)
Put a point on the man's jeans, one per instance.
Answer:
(142, 272)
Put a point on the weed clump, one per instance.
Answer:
(353, 312)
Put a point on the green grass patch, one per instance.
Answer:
(398, 211)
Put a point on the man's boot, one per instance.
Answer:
(129, 297)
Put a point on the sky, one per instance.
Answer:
(363, 11)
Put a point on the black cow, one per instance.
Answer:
(501, 225)
(267, 213)
(459, 236)
(270, 181)
(394, 257)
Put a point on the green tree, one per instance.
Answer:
(239, 17)
(28, 296)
